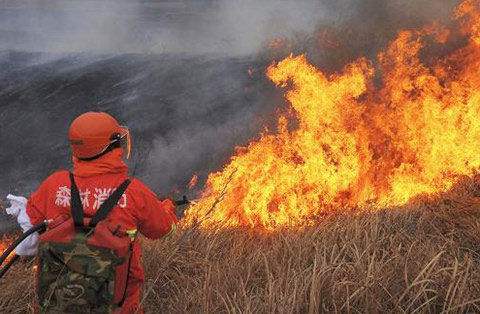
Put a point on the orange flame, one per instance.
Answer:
(4, 244)
(348, 143)
(193, 182)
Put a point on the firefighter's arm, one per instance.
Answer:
(36, 205)
(39, 202)
(157, 217)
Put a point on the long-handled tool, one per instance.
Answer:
(40, 227)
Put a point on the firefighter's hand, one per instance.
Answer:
(18, 204)
(18, 209)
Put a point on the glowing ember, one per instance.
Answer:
(348, 143)
(193, 182)
(4, 243)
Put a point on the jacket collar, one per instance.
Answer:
(109, 163)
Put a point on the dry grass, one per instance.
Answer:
(424, 259)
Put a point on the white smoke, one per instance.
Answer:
(222, 27)
(192, 27)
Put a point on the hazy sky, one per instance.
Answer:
(228, 27)
(196, 26)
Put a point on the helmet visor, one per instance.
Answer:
(126, 142)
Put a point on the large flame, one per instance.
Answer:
(348, 142)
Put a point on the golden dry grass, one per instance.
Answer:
(419, 261)
(425, 258)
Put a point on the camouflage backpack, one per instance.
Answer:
(83, 263)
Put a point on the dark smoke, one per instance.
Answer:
(361, 28)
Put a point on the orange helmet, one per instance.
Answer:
(93, 134)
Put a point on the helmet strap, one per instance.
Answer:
(109, 148)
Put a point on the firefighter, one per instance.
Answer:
(99, 145)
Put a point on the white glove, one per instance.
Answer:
(18, 209)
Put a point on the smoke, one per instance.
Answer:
(331, 33)
(191, 27)
(361, 28)
(227, 28)
(191, 102)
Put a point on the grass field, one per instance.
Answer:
(421, 258)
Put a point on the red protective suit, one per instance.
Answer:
(139, 208)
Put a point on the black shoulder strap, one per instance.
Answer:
(109, 204)
(103, 211)
(76, 203)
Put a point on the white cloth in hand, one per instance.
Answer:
(18, 209)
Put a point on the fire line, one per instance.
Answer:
(355, 144)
